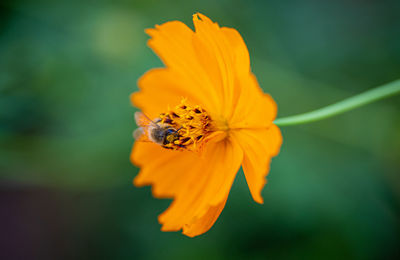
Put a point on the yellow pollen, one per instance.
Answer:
(192, 125)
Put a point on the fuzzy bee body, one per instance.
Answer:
(162, 135)
(155, 131)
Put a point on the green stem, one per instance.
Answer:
(367, 97)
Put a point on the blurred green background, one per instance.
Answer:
(67, 69)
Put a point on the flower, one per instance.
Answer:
(210, 113)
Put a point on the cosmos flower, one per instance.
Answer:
(206, 117)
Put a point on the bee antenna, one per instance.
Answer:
(149, 119)
(138, 114)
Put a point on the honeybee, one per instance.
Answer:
(155, 131)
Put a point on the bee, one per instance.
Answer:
(157, 132)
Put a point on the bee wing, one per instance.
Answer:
(143, 122)
(138, 133)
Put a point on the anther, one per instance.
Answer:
(191, 125)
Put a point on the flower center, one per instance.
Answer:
(190, 124)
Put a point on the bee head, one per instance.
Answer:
(170, 136)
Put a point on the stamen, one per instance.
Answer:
(192, 125)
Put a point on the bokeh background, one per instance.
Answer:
(67, 69)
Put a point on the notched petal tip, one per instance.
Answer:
(169, 27)
(133, 98)
(202, 224)
(257, 197)
(196, 16)
(138, 182)
(151, 31)
(199, 17)
(202, 17)
(133, 156)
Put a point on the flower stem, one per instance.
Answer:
(367, 97)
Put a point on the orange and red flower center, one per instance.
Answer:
(189, 126)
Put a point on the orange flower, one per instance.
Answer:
(210, 113)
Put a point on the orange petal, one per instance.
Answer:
(259, 145)
(211, 186)
(160, 89)
(240, 54)
(198, 184)
(254, 109)
(204, 223)
(216, 53)
(159, 168)
(208, 64)
(224, 55)
(172, 42)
